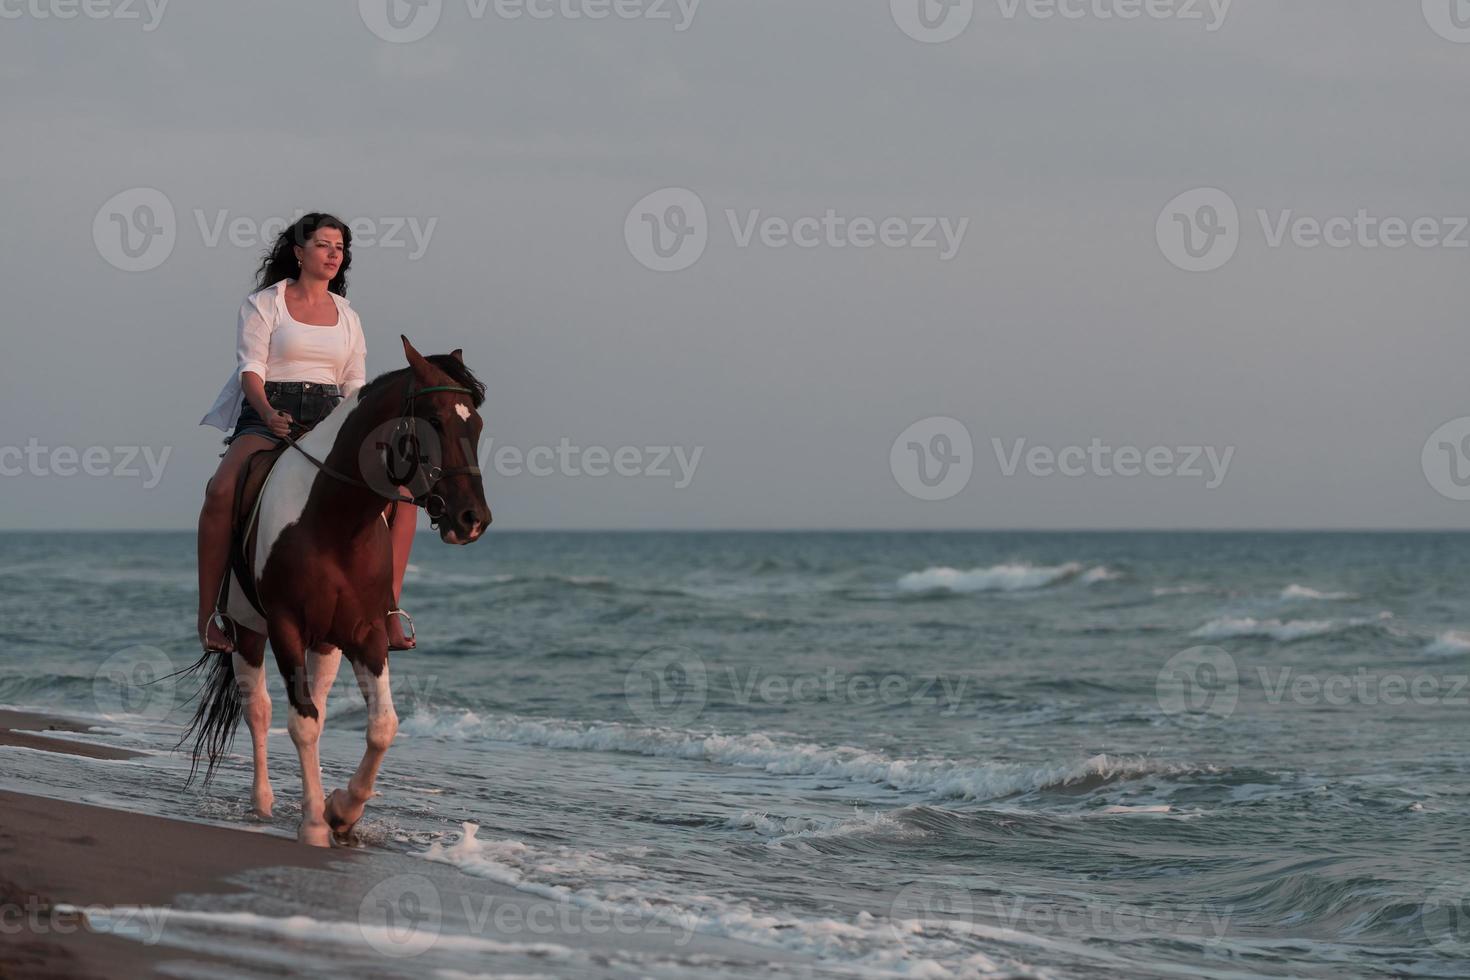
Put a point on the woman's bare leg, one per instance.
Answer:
(401, 526)
(214, 531)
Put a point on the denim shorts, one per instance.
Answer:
(307, 402)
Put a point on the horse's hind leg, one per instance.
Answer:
(249, 662)
(345, 809)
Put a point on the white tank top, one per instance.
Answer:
(304, 352)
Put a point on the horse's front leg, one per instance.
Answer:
(249, 663)
(322, 662)
(371, 669)
(304, 724)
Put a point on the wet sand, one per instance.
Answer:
(55, 853)
(21, 728)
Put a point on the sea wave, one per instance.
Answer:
(1017, 577)
(1187, 589)
(1290, 631)
(1294, 592)
(784, 756)
(866, 941)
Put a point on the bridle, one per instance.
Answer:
(420, 470)
(419, 465)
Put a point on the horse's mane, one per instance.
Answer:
(450, 365)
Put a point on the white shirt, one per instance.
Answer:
(277, 347)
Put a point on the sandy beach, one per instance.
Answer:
(98, 892)
(56, 854)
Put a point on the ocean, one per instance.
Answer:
(922, 754)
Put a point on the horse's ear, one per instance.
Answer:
(457, 354)
(415, 359)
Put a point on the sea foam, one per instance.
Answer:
(1000, 578)
(784, 756)
(1231, 627)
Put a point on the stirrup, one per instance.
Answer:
(410, 635)
(226, 626)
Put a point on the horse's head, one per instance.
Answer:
(443, 395)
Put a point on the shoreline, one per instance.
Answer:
(25, 729)
(172, 897)
(57, 854)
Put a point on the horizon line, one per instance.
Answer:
(833, 530)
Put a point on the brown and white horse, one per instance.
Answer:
(322, 573)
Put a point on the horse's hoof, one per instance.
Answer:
(343, 828)
(315, 834)
(261, 805)
(346, 837)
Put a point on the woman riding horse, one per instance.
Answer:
(300, 351)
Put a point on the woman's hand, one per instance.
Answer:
(279, 423)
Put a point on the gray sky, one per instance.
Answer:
(518, 149)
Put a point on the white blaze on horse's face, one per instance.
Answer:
(462, 410)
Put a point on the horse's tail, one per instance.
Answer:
(216, 717)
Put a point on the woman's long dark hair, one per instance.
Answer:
(280, 262)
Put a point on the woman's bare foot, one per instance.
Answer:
(397, 639)
(213, 639)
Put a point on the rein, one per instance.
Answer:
(419, 465)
